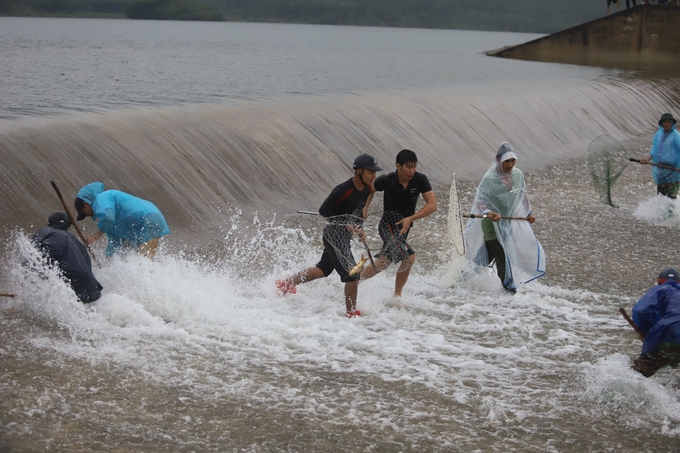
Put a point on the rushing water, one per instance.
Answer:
(230, 128)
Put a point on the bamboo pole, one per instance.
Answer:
(73, 222)
(641, 335)
(484, 216)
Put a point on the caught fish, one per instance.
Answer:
(359, 267)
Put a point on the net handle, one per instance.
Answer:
(635, 327)
(484, 216)
(656, 165)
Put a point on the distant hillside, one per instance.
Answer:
(538, 16)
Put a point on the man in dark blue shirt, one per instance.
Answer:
(61, 248)
(657, 315)
(402, 189)
(344, 210)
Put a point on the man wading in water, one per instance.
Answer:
(402, 188)
(665, 151)
(343, 208)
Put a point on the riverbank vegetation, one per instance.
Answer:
(536, 16)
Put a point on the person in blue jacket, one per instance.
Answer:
(657, 314)
(126, 220)
(61, 248)
(665, 151)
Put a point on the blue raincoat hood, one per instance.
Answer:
(123, 217)
(90, 192)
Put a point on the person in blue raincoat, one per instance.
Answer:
(665, 151)
(126, 220)
(511, 244)
(60, 248)
(657, 314)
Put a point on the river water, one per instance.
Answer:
(230, 129)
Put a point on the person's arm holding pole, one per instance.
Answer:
(646, 161)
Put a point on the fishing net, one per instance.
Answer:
(448, 273)
(607, 158)
(341, 235)
(394, 246)
(388, 243)
(455, 223)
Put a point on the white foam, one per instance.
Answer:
(218, 327)
(659, 210)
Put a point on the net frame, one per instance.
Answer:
(455, 220)
(448, 274)
(342, 234)
(607, 159)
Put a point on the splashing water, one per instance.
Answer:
(199, 340)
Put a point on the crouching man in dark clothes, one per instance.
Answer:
(657, 314)
(61, 248)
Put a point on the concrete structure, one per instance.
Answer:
(643, 37)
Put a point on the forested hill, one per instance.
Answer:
(502, 15)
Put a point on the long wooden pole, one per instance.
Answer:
(632, 323)
(484, 216)
(73, 222)
(656, 165)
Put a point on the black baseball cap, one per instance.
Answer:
(668, 274)
(367, 161)
(59, 219)
(80, 204)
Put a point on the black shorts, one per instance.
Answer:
(394, 245)
(337, 253)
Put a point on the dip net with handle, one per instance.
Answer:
(607, 158)
(449, 272)
(340, 234)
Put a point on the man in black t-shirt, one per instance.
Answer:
(61, 249)
(402, 189)
(344, 209)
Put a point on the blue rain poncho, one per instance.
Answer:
(666, 151)
(657, 314)
(123, 217)
(505, 194)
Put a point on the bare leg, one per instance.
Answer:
(380, 265)
(351, 289)
(309, 274)
(402, 275)
(148, 249)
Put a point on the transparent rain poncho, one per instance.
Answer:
(666, 151)
(124, 218)
(505, 194)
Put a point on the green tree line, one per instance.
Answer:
(501, 15)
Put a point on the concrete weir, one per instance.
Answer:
(643, 37)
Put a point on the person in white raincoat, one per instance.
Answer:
(502, 192)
